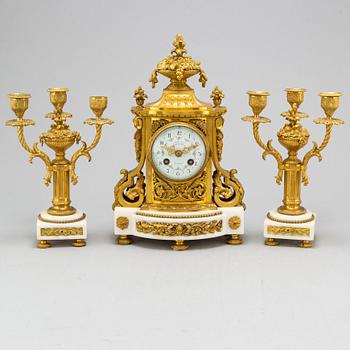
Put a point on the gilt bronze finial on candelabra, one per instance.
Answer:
(291, 220)
(61, 220)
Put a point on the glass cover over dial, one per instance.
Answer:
(178, 152)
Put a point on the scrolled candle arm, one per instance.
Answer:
(314, 152)
(329, 103)
(19, 104)
(97, 104)
(269, 150)
(257, 102)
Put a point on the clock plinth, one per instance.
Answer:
(178, 191)
(179, 226)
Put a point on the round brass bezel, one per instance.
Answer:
(183, 124)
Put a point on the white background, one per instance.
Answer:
(145, 296)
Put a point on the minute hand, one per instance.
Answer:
(188, 149)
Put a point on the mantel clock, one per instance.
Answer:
(184, 193)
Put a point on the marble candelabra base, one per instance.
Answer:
(179, 227)
(291, 227)
(57, 228)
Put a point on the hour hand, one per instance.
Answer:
(170, 149)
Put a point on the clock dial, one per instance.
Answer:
(178, 152)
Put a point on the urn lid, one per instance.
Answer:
(177, 66)
(178, 99)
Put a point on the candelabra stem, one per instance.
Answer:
(292, 180)
(61, 186)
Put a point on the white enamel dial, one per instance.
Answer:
(178, 153)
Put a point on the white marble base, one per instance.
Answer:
(53, 227)
(294, 227)
(131, 216)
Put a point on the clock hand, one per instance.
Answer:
(170, 149)
(188, 149)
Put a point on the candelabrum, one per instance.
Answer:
(61, 221)
(291, 220)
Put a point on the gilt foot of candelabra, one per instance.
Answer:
(79, 243)
(179, 245)
(61, 228)
(43, 244)
(124, 240)
(289, 227)
(234, 240)
(271, 242)
(305, 244)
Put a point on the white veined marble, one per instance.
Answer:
(291, 219)
(77, 224)
(133, 217)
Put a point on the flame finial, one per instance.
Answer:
(179, 44)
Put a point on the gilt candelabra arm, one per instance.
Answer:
(97, 104)
(329, 104)
(257, 101)
(19, 104)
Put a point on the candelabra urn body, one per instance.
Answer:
(185, 194)
(61, 221)
(291, 220)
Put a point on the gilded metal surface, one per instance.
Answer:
(179, 246)
(122, 222)
(158, 123)
(184, 229)
(234, 240)
(62, 221)
(151, 215)
(59, 138)
(312, 218)
(234, 222)
(189, 191)
(213, 186)
(178, 67)
(305, 244)
(59, 231)
(201, 124)
(288, 230)
(43, 244)
(124, 240)
(217, 96)
(79, 243)
(272, 242)
(293, 136)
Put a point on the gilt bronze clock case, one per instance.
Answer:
(184, 194)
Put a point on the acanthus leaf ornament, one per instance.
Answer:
(174, 229)
(191, 191)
